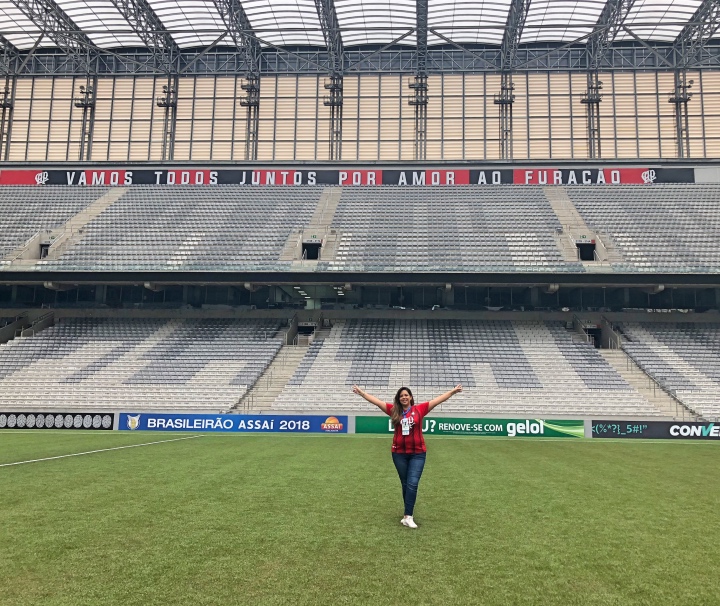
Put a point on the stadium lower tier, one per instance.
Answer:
(157, 364)
(217, 365)
(684, 358)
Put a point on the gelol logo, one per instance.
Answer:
(133, 422)
(649, 176)
(527, 427)
(331, 424)
(42, 178)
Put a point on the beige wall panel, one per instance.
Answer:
(286, 86)
(559, 84)
(539, 128)
(105, 88)
(434, 108)
(368, 130)
(308, 86)
(712, 147)
(368, 107)
(473, 149)
(712, 126)
(350, 86)
(58, 151)
(697, 148)
(37, 151)
(539, 150)
(224, 108)
(99, 150)
(124, 89)
(645, 82)
(560, 107)
(453, 84)
(453, 107)
(392, 86)
(368, 150)
(453, 128)
(138, 151)
(265, 151)
(285, 108)
(267, 89)
(306, 109)
(42, 88)
(204, 88)
(624, 83)
(183, 130)
(221, 150)
(647, 105)
(349, 150)
(390, 130)
(369, 86)
(626, 127)
(120, 130)
(649, 148)
(145, 87)
(453, 150)
(433, 150)
(182, 150)
(203, 108)
(239, 131)
(38, 131)
(201, 130)
(388, 150)
(561, 148)
(474, 84)
(200, 150)
(647, 128)
(65, 87)
(537, 84)
(711, 82)
(668, 148)
(390, 108)
(474, 128)
(627, 149)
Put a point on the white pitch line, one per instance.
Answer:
(77, 454)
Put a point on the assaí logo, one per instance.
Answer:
(331, 424)
(133, 422)
(695, 431)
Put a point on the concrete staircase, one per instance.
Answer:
(575, 230)
(641, 382)
(317, 228)
(268, 387)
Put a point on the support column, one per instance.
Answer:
(168, 101)
(680, 98)
(251, 100)
(591, 99)
(7, 105)
(505, 101)
(86, 101)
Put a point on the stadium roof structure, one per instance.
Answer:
(333, 36)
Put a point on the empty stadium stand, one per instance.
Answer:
(192, 227)
(26, 210)
(683, 357)
(151, 364)
(505, 367)
(663, 228)
(504, 228)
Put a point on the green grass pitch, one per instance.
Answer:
(253, 519)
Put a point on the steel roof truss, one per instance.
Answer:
(55, 24)
(331, 33)
(609, 24)
(690, 43)
(513, 32)
(147, 25)
(238, 25)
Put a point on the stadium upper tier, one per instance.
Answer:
(669, 228)
(153, 364)
(24, 211)
(504, 228)
(684, 358)
(505, 367)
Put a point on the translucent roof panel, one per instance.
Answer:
(17, 28)
(190, 22)
(660, 20)
(560, 20)
(376, 21)
(468, 21)
(104, 24)
(285, 22)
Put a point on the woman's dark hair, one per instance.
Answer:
(397, 411)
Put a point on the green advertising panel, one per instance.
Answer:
(533, 428)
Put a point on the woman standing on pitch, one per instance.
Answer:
(408, 447)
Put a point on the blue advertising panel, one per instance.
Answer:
(145, 421)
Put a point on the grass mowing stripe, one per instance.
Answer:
(78, 454)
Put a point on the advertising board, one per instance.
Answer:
(57, 420)
(669, 430)
(536, 428)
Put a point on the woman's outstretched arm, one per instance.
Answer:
(372, 399)
(440, 399)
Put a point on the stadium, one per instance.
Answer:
(218, 216)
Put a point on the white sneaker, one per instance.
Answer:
(409, 522)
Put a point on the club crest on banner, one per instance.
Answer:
(42, 178)
(649, 176)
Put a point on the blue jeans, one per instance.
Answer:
(409, 468)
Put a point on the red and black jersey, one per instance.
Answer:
(413, 443)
